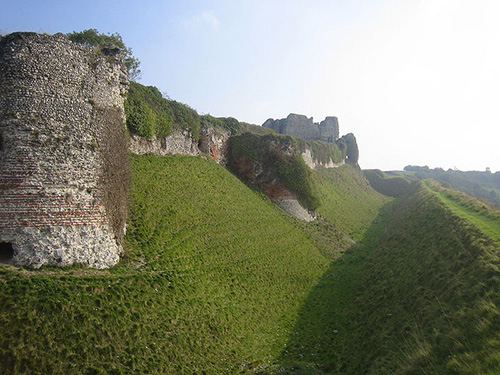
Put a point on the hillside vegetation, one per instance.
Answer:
(431, 290)
(347, 199)
(149, 114)
(212, 281)
(271, 160)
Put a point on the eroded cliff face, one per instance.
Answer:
(255, 160)
(213, 142)
(273, 163)
(62, 186)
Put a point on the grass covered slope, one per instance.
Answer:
(318, 344)
(347, 199)
(213, 281)
(431, 300)
(318, 341)
(392, 186)
(245, 269)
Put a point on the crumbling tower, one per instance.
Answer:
(62, 185)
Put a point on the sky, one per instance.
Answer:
(416, 81)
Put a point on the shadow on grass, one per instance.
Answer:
(318, 342)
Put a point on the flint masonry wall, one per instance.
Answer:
(212, 142)
(59, 105)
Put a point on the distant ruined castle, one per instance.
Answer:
(62, 182)
(299, 126)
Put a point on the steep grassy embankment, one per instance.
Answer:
(392, 186)
(212, 283)
(321, 337)
(317, 344)
(431, 291)
(347, 200)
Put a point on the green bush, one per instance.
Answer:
(228, 123)
(140, 118)
(186, 117)
(104, 42)
(149, 114)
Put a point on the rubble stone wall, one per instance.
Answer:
(212, 142)
(52, 97)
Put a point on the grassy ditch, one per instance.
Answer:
(318, 343)
(431, 293)
(212, 283)
(347, 200)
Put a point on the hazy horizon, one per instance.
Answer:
(416, 81)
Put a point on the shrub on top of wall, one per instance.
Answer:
(185, 117)
(228, 123)
(106, 44)
(148, 112)
(150, 115)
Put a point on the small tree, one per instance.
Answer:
(92, 38)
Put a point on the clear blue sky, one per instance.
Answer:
(417, 81)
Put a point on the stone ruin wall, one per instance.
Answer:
(178, 142)
(212, 142)
(56, 99)
(301, 127)
(314, 163)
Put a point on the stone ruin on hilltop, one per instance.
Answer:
(299, 126)
(62, 172)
